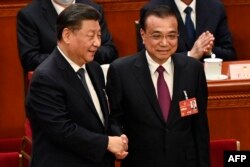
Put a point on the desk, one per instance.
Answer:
(229, 108)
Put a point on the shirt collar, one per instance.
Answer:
(182, 6)
(72, 64)
(153, 65)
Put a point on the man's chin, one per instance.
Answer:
(90, 58)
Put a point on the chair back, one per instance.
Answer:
(10, 152)
(217, 148)
(10, 159)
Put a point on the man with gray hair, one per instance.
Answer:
(66, 101)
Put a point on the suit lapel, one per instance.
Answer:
(49, 13)
(75, 82)
(71, 77)
(179, 63)
(100, 91)
(143, 76)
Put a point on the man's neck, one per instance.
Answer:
(187, 2)
(60, 4)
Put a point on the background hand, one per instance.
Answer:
(203, 45)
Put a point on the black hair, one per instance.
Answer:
(72, 16)
(156, 10)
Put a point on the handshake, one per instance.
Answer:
(118, 146)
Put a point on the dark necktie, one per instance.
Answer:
(163, 93)
(81, 74)
(189, 26)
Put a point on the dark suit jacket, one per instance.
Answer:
(210, 16)
(67, 131)
(135, 110)
(36, 30)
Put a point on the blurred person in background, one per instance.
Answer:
(204, 32)
(36, 32)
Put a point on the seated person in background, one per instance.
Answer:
(36, 30)
(66, 102)
(207, 32)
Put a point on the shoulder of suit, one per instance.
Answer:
(126, 60)
(183, 60)
(180, 56)
(213, 3)
(94, 64)
(32, 6)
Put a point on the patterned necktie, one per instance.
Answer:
(163, 93)
(189, 26)
(81, 74)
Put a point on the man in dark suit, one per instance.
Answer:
(211, 34)
(36, 32)
(68, 109)
(151, 117)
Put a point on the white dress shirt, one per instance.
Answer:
(182, 6)
(168, 73)
(89, 84)
(59, 8)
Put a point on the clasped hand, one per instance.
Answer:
(203, 45)
(118, 145)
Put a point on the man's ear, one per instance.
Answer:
(66, 35)
(142, 32)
